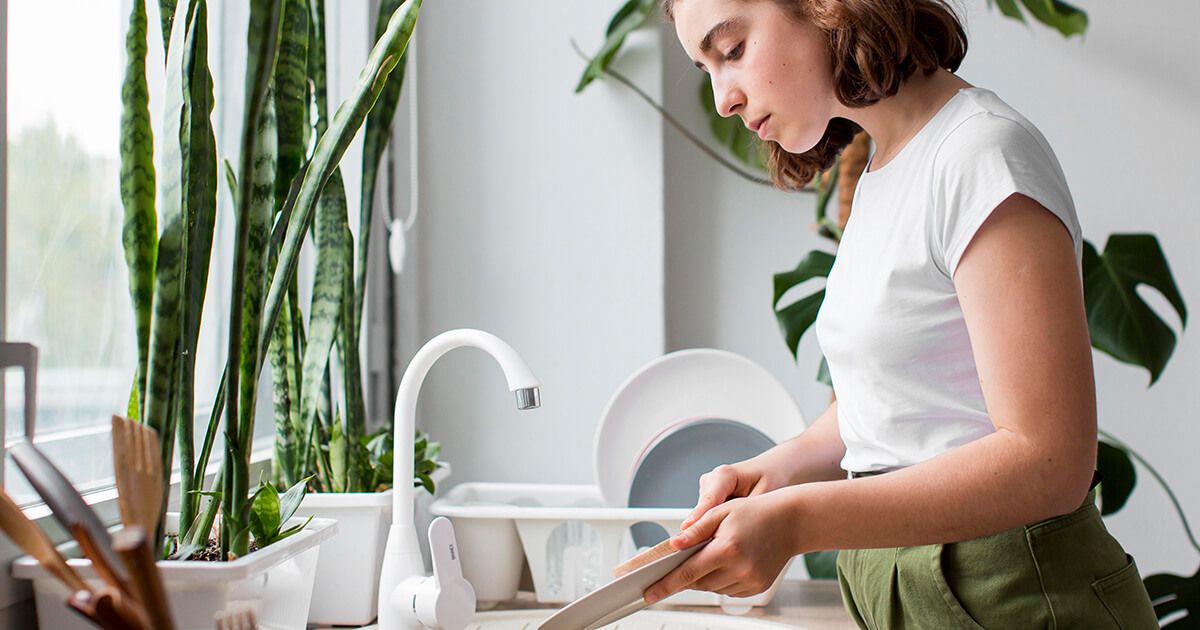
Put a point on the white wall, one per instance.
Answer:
(541, 222)
(1119, 107)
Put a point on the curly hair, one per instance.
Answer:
(874, 46)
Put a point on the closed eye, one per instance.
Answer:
(735, 52)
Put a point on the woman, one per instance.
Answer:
(954, 328)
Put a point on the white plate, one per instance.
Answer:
(617, 599)
(678, 388)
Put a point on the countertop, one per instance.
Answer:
(812, 604)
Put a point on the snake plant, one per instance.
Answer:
(280, 186)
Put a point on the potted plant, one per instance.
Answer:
(321, 428)
(170, 210)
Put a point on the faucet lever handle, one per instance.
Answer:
(443, 549)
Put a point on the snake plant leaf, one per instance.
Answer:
(1119, 477)
(796, 318)
(730, 132)
(627, 19)
(171, 194)
(139, 233)
(291, 500)
(166, 10)
(264, 514)
(316, 65)
(291, 93)
(1173, 594)
(251, 236)
(375, 140)
(339, 459)
(327, 296)
(347, 343)
(332, 146)
(821, 565)
(200, 215)
(284, 388)
(1121, 323)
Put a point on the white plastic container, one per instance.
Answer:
(347, 586)
(275, 582)
(570, 540)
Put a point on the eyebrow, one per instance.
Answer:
(721, 28)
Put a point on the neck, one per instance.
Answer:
(892, 122)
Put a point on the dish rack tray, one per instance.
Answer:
(570, 539)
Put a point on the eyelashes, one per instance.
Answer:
(735, 52)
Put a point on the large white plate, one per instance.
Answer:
(678, 388)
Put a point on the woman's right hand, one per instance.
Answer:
(747, 478)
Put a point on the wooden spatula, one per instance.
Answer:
(660, 550)
(33, 541)
(138, 466)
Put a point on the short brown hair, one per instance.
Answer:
(874, 46)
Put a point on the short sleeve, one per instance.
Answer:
(979, 164)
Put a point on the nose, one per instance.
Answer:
(727, 96)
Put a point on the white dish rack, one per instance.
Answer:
(571, 541)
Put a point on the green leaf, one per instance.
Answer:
(1121, 323)
(795, 319)
(1010, 9)
(823, 372)
(139, 234)
(295, 529)
(628, 18)
(1119, 476)
(264, 514)
(166, 9)
(730, 132)
(1061, 16)
(291, 93)
(291, 499)
(821, 565)
(338, 459)
(375, 140)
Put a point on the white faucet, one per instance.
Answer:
(408, 600)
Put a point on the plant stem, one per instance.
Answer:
(677, 125)
(1171, 495)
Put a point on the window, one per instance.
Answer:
(66, 280)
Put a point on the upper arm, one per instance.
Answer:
(1022, 300)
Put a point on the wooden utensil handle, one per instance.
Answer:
(661, 550)
(107, 572)
(133, 545)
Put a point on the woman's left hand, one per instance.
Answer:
(752, 540)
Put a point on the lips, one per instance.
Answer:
(758, 126)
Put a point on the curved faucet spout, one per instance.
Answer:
(518, 375)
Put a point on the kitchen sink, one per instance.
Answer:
(644, 620)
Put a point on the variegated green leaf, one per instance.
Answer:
(328, 281)
(256, 205)
(166, 9)
(332, 146)
(355, 413)
(139, 234)
(375, 140)
(291, 93)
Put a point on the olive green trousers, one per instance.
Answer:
(1063, 572)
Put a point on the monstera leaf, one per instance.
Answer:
(797, 317)
(1119, 477)
(730, 132)
(1172, 594)
(1061, 16)
(1121, 323)
(627, 19)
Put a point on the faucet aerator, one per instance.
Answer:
(529, 398)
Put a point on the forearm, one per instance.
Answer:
(815, 454)
(987, 486)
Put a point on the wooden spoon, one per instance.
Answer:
(33, 541)
(133, 546)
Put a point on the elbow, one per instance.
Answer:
(1070, 484)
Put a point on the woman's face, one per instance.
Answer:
(766, 67)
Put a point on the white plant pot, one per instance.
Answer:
(276, 582)
(347, 584)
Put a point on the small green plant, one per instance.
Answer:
(269, 512)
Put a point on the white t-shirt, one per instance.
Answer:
(890, 326)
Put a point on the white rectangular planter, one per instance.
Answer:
(276, 582)
(347, 586)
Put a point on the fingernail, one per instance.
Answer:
(652, 597)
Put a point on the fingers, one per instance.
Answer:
(715, 487)
(693, 569)
(701, 530)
